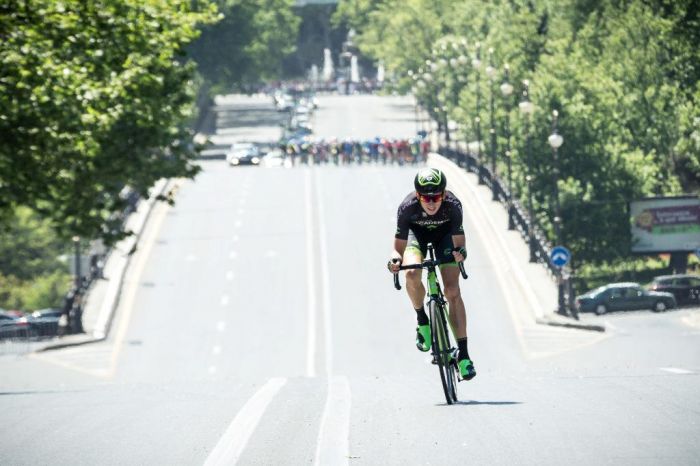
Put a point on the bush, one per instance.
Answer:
(40, 292)
(642, 270)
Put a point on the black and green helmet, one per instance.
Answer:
(430, 181)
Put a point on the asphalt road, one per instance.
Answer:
(259, 324)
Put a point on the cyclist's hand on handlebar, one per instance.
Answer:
(394, 264)
(459, 254)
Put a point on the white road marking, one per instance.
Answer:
(221, 326)
(238, 224)
(676, 370)
(232, 255)
(224, 300)
(212, 370)
(310, 281)
(271, 254)
(235, 238)
(333, 445)
(241, 211)
(190, 258)
(325, 279)
(216, 350)
(229, 275)
(234, 440)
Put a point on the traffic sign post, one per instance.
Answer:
(560, 256)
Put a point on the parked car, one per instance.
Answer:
(45, 321)
(622, 297)
(685, 288)
(243, 153)
(14, 326)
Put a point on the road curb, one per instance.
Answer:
(573, 324)
(110, 304)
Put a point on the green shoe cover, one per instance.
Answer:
(466, 369)
(423, 339)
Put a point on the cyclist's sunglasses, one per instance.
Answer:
(434, 198)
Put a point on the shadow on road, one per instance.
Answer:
(491, 403)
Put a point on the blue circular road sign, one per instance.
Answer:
(560, 256)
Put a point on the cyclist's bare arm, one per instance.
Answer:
(397, 255)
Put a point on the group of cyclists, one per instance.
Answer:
(349, 151)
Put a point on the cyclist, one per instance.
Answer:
(433, 215)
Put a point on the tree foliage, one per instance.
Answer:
(623, 75)
(94, 95)
(247, 45)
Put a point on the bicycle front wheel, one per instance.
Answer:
(442, 351)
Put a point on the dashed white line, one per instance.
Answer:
(229, 275)
(676, 370)
(232, 255)
(221, 326)
(225, 300)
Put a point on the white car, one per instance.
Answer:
(275, 158)
(243, 153)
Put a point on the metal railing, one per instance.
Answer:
(518, 217)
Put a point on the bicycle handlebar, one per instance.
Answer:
(426, 264)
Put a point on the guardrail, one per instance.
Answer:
(519, 220)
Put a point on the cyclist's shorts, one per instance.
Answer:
(443, 249)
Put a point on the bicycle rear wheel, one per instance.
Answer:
(442, 352)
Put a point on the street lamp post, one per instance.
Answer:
(507, 90)
(476, 63)
(555, 141)
(491, 73)
(76, 246)
(526, 108)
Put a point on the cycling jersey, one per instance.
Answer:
(429, 228)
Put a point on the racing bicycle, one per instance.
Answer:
(443, 351)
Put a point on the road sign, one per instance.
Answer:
(560, 256)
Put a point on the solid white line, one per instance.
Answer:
(310, 281)
(325, 279)
(332, 447)
(234, 440)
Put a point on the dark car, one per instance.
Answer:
(14, 326)
(686, 288)
(243, 153)
(46, 321)
(623, 297)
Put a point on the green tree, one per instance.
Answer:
(622, 74)
(94, 95)
(248, 44)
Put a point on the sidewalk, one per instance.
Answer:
(102, 298)
(534, 288)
